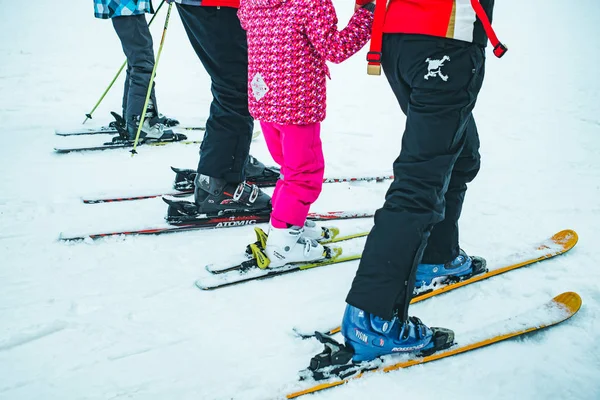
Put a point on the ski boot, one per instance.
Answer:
(290, 245)
(259, 174)
(461, 268)
(323, 233)
(369, 337)
(311, 231)
(151, 131)
(184, 179)
(167, 121)
(256, 173)
(160, 118)
(215, 197)
(153, 128)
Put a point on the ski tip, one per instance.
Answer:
(567, 238)
(200, 286)
(209, 268)
(570, 301)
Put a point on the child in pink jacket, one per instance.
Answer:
(289, 42)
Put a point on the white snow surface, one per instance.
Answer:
(122, 319)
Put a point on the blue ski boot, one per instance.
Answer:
(370, 336)
(462, 267)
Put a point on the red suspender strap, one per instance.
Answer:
(374, 54)
(499, 48)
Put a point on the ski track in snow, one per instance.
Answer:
(121, 318)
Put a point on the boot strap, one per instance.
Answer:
(245, 193)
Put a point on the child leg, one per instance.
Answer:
(273, 139)
(303, 168)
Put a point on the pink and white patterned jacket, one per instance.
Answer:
(289, 42)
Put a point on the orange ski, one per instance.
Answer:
(557, 310)
(558, 244)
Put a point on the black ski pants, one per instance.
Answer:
(220, 43)
(436, 82)
(136, 41)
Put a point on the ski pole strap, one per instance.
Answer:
(499, 48)
(374, 54)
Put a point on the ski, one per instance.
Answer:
(327, 365)
(558, 244)
(109, 146)
(250, 270)
(222, 221)
(182, 139)
(331, 236)
(263, 183)
(111, 130)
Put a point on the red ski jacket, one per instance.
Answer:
(453, 19)
(465, 20)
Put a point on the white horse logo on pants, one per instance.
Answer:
(434, 68)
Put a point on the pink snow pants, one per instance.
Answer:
(298, 151)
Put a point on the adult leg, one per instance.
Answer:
(136, 41)
(442, 245)
(220, 43)
(126, 90)
(434, 136)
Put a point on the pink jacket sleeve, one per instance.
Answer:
(333, 45)
(241, 14)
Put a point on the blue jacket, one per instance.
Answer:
(119, 8)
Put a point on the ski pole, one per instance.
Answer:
(89, 115)
(151, 83)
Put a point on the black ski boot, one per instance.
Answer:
(217, 198)
(184, 179)
(257, 174)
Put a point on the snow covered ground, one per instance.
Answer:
(121, 318)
